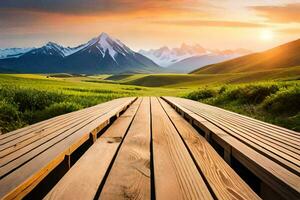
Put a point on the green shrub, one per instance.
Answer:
(30, 99)
(222, 89)
(201, 94)
(286, 101)
(251, 94)
(54, 110)
(9, 117)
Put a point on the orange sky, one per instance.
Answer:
(255, 25)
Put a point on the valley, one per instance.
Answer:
(165, 99)
(40, 83)
(29, 98)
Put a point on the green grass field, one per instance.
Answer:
(28, 98)
(276, 102)
(196, 80)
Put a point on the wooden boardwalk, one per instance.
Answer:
(141, 148)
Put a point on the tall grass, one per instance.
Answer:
(274, 102)
(29, 98)
(21, 106)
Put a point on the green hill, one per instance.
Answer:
(195, 80)
(286, 55)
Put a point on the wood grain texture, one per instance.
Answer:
(129, 177)
(44, 124)
(84, 178)
(18, 148)
(176, 176)
(253, 121)
(286, 183)
(279, 154)
(30, 172)
(21, 156)
(269, 136)
(36, 134)
(225, 183)
(271, 130)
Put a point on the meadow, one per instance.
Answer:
(276, 102)
(27, 98)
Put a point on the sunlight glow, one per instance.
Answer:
(266, 35)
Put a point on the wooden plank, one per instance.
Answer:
(30, 173)
(11, 136)
(289, 159)
(268, 126)
(202, 123)
(36, 128)
(61, 123)
(176, 175)
(277, 177)
(252, 122)
(250, 135)
(26, 153)
(289, 153)
(256, 129)
(280, 179)
(84, 178)
(225, 183)
(132, 162)
(40, 137)
(274, 134)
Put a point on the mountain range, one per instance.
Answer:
(280, 57)
(102, 54)
(187, 58)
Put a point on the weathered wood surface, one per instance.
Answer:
(151, 162)
(225, 183)
(174, 169)
(22, 169)
(150, 152)
(84, 178)
(132, 162)
(270, 152)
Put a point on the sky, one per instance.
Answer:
(144, 24)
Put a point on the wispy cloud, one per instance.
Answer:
(281, 14)
(95, 7)
(294, 31)
(232, 24)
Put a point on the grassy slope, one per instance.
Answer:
(28, 98)
(287, 55)
(75, 93)
(41, 82)
(194, 80)
(275, 102)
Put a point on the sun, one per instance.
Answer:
(266, 35)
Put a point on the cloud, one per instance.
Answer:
(283, 14)
(232, 24)
(292, 31)
(93, 6)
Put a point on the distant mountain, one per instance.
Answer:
(102, 54)
(13, 52)
(166, 57)
(189, 64)
(286, 55)
(189, 57)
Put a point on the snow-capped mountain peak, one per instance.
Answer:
(165, 56)
(104, 43)
(102, 54)
(13, 52)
